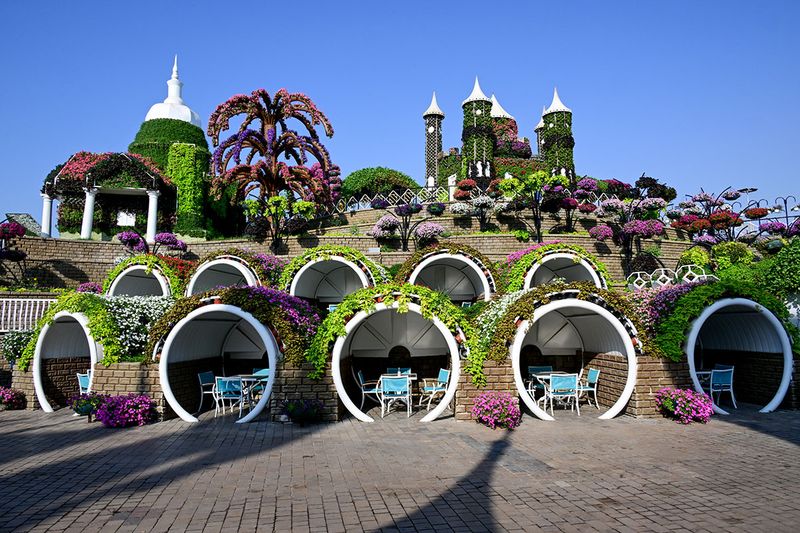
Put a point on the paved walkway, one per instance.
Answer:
(739, 474)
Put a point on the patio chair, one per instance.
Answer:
(401, 370)
(534, 384)
(83, 383)
(564, 389)
(230, 390)
(432, 387)
(394, 389)
(590, 385)
(258, 386)
(721, 381)
(206, 380)
(369, 389)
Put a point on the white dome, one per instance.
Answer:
(173, 106)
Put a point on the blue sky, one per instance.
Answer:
(695, 93)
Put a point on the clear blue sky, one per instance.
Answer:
(696, 93)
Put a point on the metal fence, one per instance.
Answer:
(20, 314)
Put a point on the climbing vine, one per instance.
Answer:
(516, 278)
(371, 268)
(447, 247)
(267, 267)
(177, 282)
(188, 168)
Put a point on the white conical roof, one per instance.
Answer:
(557, 105)
(540, 125)
(476, 95)
(498, 111)
(173, 106)
(433, 109)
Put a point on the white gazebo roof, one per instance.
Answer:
(433, 109)
(498, 111)
(557, 105)
(476, 95)
(173, 106)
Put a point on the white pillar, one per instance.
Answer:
(152, 215)
(88, 214)
(47, 215)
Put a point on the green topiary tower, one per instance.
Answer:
(557, 142)
(433, 117)
(478, 137)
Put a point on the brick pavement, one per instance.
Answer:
(58, 473)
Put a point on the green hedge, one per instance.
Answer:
(376, 180)
(156, 136)
(187, 167)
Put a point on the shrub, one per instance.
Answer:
(14, 343)
(728, 254)
(684, 406)
(303, 411)
(427, 232)
(86, 404)
(696, 255)
(11, 399)
(497, 410)
(375, 180)
(436, 208)
(125, 411)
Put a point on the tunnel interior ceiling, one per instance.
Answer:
(561, 267)
(327, 281)
(137, 283)
(213, 334)
(65, 338)
(218, 276)
(739, 329)
(455, 278)
(564, 331)
(382, 331)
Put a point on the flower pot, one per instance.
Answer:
(379, 299)
(459, 338)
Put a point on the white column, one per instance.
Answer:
(152, 215)
(47, 215)
(88, 214)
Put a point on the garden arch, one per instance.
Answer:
(328, 279)
(455, 274)
(222, 271)
(212, 331)
(572, 323)
(67, 337)
(140, 280)
(432, 333)
(562, 264)
(740, 324)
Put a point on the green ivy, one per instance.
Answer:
(156, 136)
(448, 165)
(558, 143)
(516, 167)
(376, 271)
(484, 262)
(266, 277)
(477, 135)
(176, 284)
(696, 255)
(187, 169)
(516, 277)
(781, 273)
(432, 304)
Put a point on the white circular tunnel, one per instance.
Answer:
(565, 265)
(227, 271)
(456, 275)
(207, 339)
(328, 280)
(66, 340)
(137, 281)
(571, 326)
(372, 335)
(740, 328)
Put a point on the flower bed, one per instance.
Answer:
(497, 410)
(684, 406)
(11, 399)
(126, 411)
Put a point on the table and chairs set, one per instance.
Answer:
(562, 388)
(237, 391)
(396, 387)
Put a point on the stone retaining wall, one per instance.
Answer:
(293, 383)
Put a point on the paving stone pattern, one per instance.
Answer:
(58, 473)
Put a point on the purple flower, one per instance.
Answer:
(704, 239)
(773, 227)
(90, 287)
(588, 184)
(428, 231)
(601, 232)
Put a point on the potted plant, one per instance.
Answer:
(86, 404)
(303, 411)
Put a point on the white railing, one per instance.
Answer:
(661, 277)
(20, 314)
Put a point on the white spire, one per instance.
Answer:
(433, 109)
(557, 105)
(498, 111)
(173, 105)
(540, 125)
(476, 95)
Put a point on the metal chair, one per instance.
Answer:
(230, 390)
(564, 389)
(535, 384)
(369, 389)
(721, 381)
(83, 383)
(392, 389)
(590, 385)
(430, 388)
(206, 387)
(258, 386)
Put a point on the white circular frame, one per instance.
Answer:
(154, 271)
(487, 288)
(266, 336)
(249, 275)
(786, 345)
(598, 281)
(365, 282)
(630, 353)
(455, 362)
(94, 358)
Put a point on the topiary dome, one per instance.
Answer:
(156, 136)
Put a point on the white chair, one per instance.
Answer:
(392, 389)
(564, 389)
(431, 388)
(369, 389)
(206, 380)
(230, 390)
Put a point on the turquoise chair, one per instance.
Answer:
(369, 389)
(258, 386)
(721, 381)
(430, 388)
(230, 390)
(564, 389)
(394, 389)
(206, 380)
(590, 385)
(83, 383)
(534, 385)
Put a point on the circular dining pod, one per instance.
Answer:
(215, 337)
(742, 333)
(371, 335)
(140, 280)
(65, 347)
(464, 277)
(571, 326)
(329, 279)
(563, 264)
(222, 271)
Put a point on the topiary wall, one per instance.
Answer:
(187, 167)
(156, 136)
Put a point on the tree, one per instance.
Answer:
(528, 193)
(376, 180)
(250, 158)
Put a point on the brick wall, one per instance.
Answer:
(613, 375)
(293, 383)
(5, 368)
(185, 385)
(24, 381)
(499, 377)
(125, 378)
(59, 378)
(653, 374)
